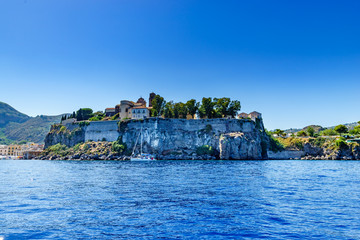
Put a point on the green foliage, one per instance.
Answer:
(301, 134)
(279, 132)
(192, 107)
(275, 145)
(97, 116)
(180, 110)
(340, 143)
(205, 150)
(84, 124)
(328, 132)
(158, 104)
(341, 129)
(84, 114)
(169, 110)
(355, 131)
(318, 142)
(57, 148)
(207, 108)
(311, 131)
(118, 146)
(116, 116)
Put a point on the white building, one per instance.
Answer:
(140, 112)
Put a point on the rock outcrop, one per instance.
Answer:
(173, 138)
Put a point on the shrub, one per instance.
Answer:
(340, 143)
(116, 116)
(57, 148)
(208, 128)
(301, 134)
(205, 150)
(118, 146)
(328, 132)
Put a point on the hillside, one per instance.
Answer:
(33, 130)
(16, 126)
(9, 114)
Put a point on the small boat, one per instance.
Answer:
(142, 156)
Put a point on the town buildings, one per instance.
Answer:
(25, 151)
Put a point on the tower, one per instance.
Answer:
(151, 97)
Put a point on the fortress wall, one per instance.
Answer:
(97, 131)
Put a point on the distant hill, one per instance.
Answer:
(9, 114)
(33, 130)
(16, 126)
(319, 128)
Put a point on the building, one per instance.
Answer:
(3, 150)
(109, 112)
(140, 112)
(131, 110)
(13, 150)
(243, 115)
(151, 97)
(254, 115)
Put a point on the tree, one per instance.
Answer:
(301, 134)
(192, 107)
(280, 132)
(341, 129)
(310, 131)
(84, 114)
(180, 110)
(328, 132)
(169, 110)
(355, 131)
(234, 108)
(158, 104)
(221, 106)
(207, 108)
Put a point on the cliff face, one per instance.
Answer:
(176, 138)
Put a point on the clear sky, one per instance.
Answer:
(297, 62)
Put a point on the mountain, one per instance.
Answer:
(9, 114)
(16, 126)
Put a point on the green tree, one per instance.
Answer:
(355, 131)
(341, 129)
(301, 134)
(192, 107)
(207, 108)
(328, 132)
(180, 110)
(158, 104)
(169, 110)
(84, 114)
(310, 131)
(280, 132)
(234, 108)
(221, 106)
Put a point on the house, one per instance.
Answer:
(109, 112)
(3, 150)
(131, 110)
(254, 115)
(140, 112)
(243, 115)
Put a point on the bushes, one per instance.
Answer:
(118, 146)
(340, 143)
(205, 150)
(57, 148)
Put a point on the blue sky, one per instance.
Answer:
(297, 62)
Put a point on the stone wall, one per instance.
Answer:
(102, 130)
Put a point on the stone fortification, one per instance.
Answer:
(176, 138)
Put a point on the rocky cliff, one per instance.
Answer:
(173, 138)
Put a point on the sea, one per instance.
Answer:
(179, 199)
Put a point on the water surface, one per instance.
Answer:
(180, 200)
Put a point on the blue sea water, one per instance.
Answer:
(179, 200)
